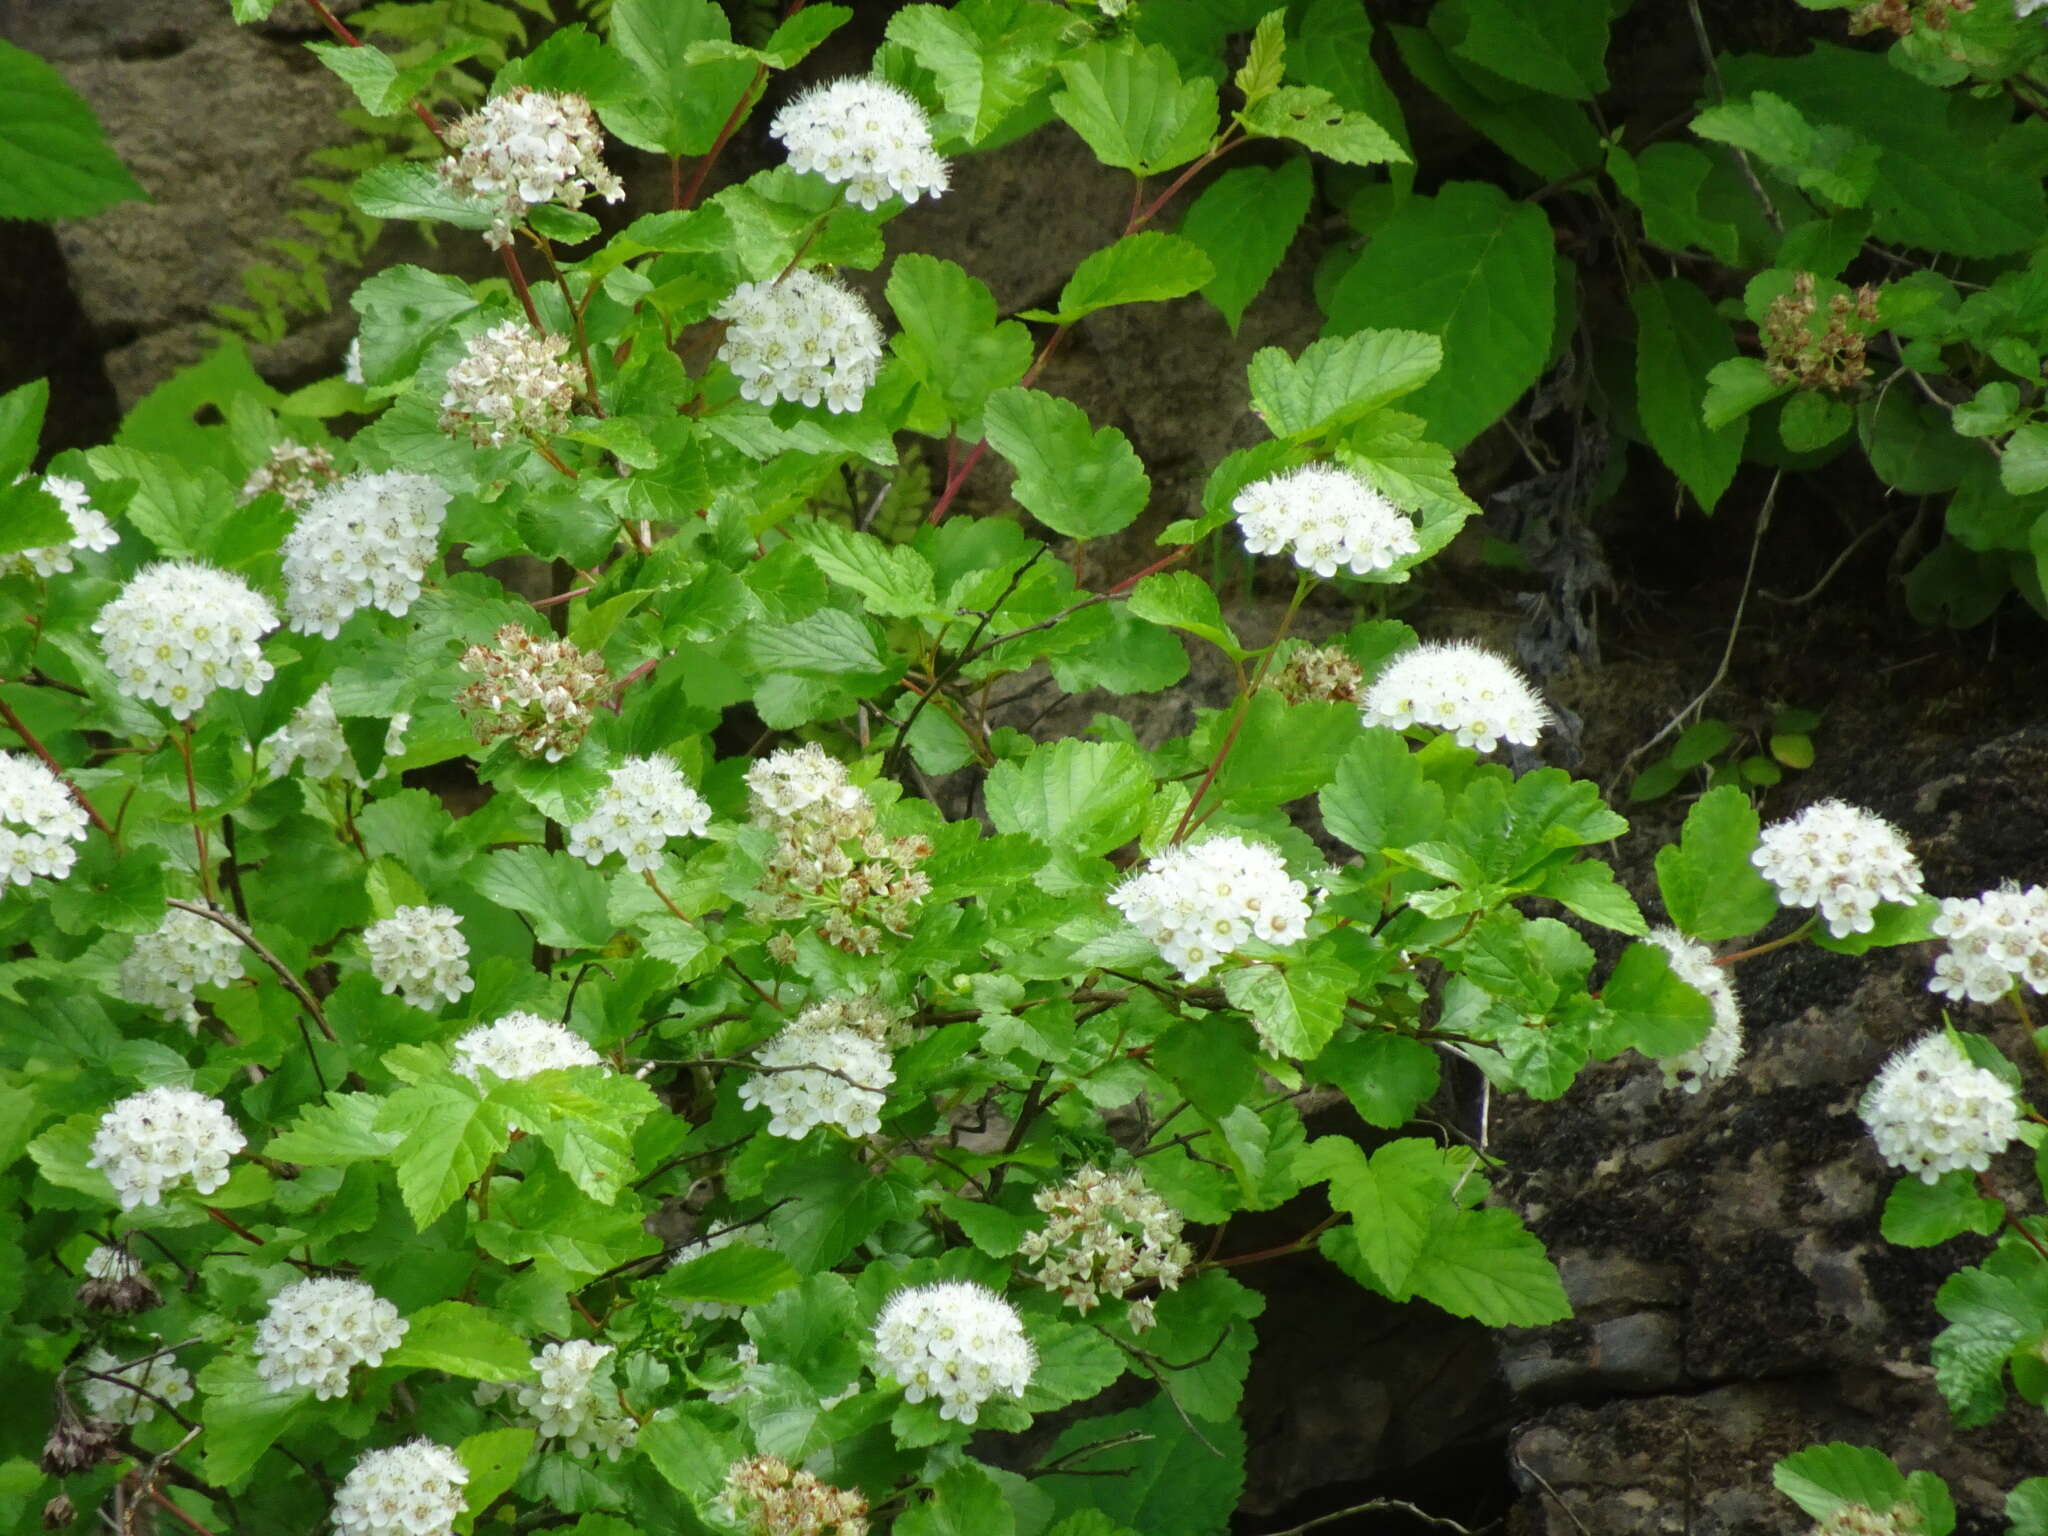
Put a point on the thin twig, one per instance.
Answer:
(1371, 1506)
(28, 738)
(291, 982)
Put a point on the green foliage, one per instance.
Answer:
(55, 162)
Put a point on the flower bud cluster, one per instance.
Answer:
(162, 1137)
(362, 543)
(1862, 1520)
(39, 821)
(572, 1399)
(90, 530)
(1199, 902)
(540, 692)
(1931, 1110)
(181, 629)
(766, 1496)
(1840, 858)
(955, 1341)
(1461, 688)
(317, 1330)
(1994, 940)
(1327, 518)
(526, 148)
(116, 1282)
(867, 134)
(1319, 673)
(1716, 1055)
(519, 1045)
(413, 1489)
(296, 472)
(1107, 1233)
(803, 337)
(165, 969)
(420, 953)
(828, 856)
(118, 1404)
(647, 802)
(510, 382)
(78, 1445)
(820, 1073)
(313, 736)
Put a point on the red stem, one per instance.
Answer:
(1157, 565)
(688, 198)
(28, 737)
(333, 24)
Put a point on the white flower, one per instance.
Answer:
(317, 1330)
(526, 148)
(1107, 1233)
(1716, 1055)
(1839, 858)
(39, 821)
(164, 969)
(420, 953)
(868, 134)
(1994, 940)
(1199, 902)
(1457, 687)
(791, 780)
(154, 1140)
(647, 802)
(572, 1400)
(510, 382)
(413, 1489)
(89, 528)
(820, 1075)
(313, 736)
(362, 543)
(1329, 518)
(1932, 1111)
(802, 337)
(956, 1341)
(105, 1263)
(293, 470)
(519, 1045)
(689, 1253)
(120, 1404)
(352, 362)
(181, 629)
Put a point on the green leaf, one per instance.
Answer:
(1811, 421)
(493, 1458)
(1487, 1266)
(2027, 1508)
(1078, 482)
(409, 189)
(1829, 161)
(893, 580)
(462, 1340)
(1137, 269)
(1244, 221)
(586, 1116)
(1550, 135)
(404, 309)
(2024, 468)
(965, 1501)
(243, 1415)
(1735, 388)
(341, 1129)
(679, 105)
(829, 1205)
(828, 643)
(562, 896)
(31, 518)
(1652, 1009)
(1386, 1077)
(1710, 888)
(55, 162)
(989, 58)
(1588, 888)
(1822, 1478)
(1555, 46)
(1679, 339)
(1919, 1215)
(1128, 101)
(1391, 1198)
(1338, 380)
(1475, 268)
(1182, 600)
(21, 426)
(948, 336)
(1086, 796)
(1380, 798)
(1265, 62)
(995, 1231)
(1153, 1472)
(1309, 115)
(740, 1274)
(789, 44)
(379, 84)
(451, 1133)
(1296, 1007)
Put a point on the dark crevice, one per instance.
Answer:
(47, 336)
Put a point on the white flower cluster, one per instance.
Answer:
(1328, 518)
(572, 1400)
(1901, 1519)
(792, 780)
(161, 1137)
(956, 1341)
(1839, 858)
(317, 1330)
(1994, 940)
(1201, 901)
(647, 802)
(89, 529)
(689, 1253)
(802, 337)
(1931, 1110)
(164, 969)
(766, 1496)
(541, 693)
(413, 1489)
(39, 821)
(820, 1073)
(420, 953)
(115, 1264)
(119, 1404)
(526, 148)
(1107, 1233)
(519, 1045)
(1461, 688)
(1716, 1055)
(313, 736)
(866, 133)
(362, 543)
(181, 629)
(510, 382)
(1318, 672)
(293, 470)
(115, 1281)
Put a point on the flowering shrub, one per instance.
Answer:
(719, 892)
